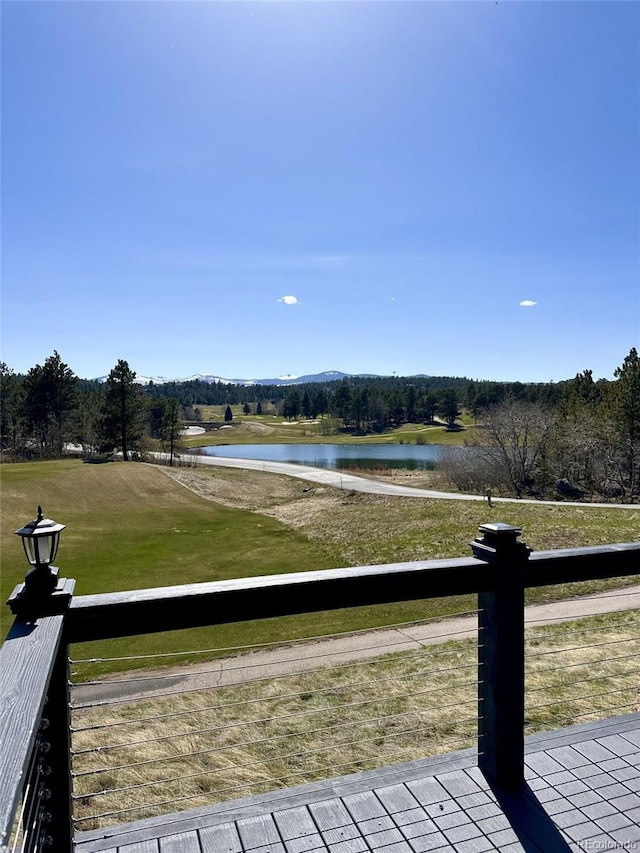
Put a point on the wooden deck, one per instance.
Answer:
(582, 794)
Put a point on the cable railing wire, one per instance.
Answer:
(330, 769)
(567, 700)
(30, 799)
(278, 643)
(297, 755)
(294, 695)
(551, 620)
(244, 666)
(420, 713)
(428, 717)
(194, 732)
(591, 679)
(228, 669)
(23, 819)
(258, 742)
(565, 649)
(563, 666)
(592, 630)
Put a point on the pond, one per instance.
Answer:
(417, 457)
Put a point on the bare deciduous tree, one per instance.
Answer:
(513, 443)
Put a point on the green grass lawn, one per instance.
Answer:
(131, 526)
(267, 429)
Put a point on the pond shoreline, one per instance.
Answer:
(333, 456)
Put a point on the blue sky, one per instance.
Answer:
(258, 189)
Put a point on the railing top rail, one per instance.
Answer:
(27, 658)
(141, 611)
(219, 602)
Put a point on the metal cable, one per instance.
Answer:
(232, 668)
(297, 754)
(596, 713)
(599, 629)
(223, 705)
(594, 629)
(30, 834)
(243, 787)
(581, 648)
(33, 820)
(20, 820)
(242, 744)
(587, 662)
(577, 699)
(553, 620)
(421, 673)
(29, 800)
(193, 733)
(278, 643)
(615, 676)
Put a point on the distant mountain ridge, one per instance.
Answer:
(325, 376)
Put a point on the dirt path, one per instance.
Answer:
(306, 656)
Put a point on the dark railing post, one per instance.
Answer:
(501, 655)
(56, 735)
(50, 809)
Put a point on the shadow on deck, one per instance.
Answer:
(581, 793)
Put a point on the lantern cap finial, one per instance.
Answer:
(40, 526)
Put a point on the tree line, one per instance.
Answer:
(50, 407)
(581, 436)
(586, 445)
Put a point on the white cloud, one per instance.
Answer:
(527, 303)
(288, 300)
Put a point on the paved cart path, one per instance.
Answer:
(352, 482)
(308, 655)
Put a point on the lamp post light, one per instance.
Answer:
(40, 539)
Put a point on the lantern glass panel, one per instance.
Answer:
(29, 550)
(41, 550)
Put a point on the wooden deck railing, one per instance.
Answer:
(35, 781)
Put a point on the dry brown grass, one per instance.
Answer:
(238, 488)
(196, 748)
(368, 529)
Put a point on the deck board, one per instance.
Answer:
(582, 792)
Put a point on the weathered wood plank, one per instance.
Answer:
(150, 846)
(294, 823)
(27, 658)
(182, 842)
(330, 814)
(364, 806)
(258, 831)
(397, 798)
(220, 839)
(94, 617)
(569, 565)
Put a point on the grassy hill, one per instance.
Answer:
(132, 526)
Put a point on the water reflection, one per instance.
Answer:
(406, 456)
